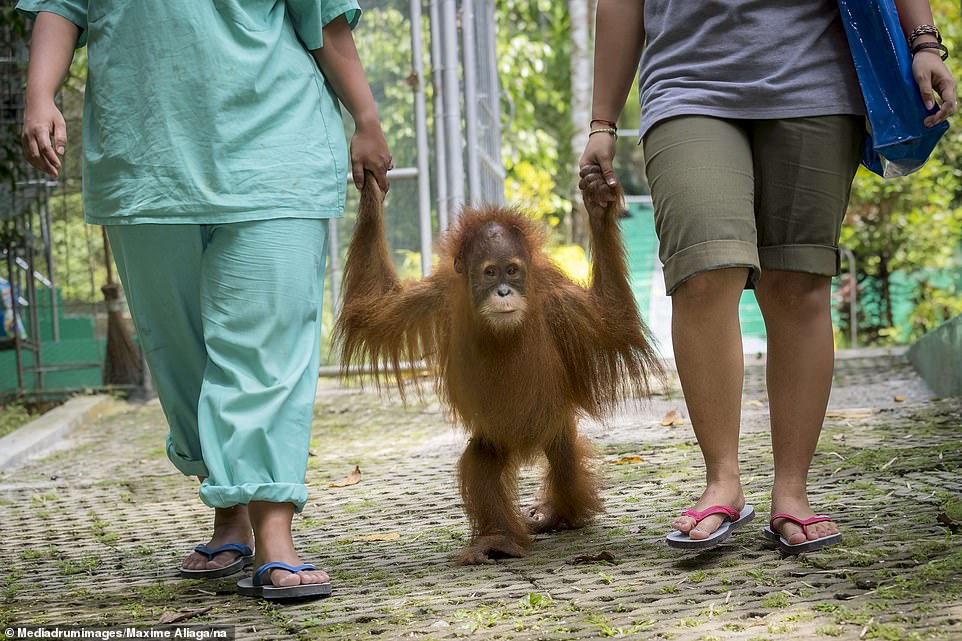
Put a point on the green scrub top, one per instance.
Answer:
(207, 111)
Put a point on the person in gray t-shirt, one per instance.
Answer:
(752, 124)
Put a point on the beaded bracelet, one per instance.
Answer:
(603, 121)
(922, 46)
(924, 29)
(606, 130)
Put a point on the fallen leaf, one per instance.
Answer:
(351, 479)
(853, 413)
(390, 536)
(669, 419)
(183, 615)
(946, 520)
(604, 555)
(755, 403)
(899, 399)
(625, 460)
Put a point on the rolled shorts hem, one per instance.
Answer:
(186, 466)
(708, 256)
(223, 496)
(822, 260)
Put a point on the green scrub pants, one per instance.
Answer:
(229, 317)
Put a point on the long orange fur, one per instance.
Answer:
(578, 352)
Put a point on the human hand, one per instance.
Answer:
(369, 153)
(43, 123)
(932, 75)
(598, 181)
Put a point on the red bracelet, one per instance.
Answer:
(602, 120)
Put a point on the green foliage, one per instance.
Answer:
(12, 417)
(534, 64)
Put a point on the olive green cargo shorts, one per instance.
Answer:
(761, 194)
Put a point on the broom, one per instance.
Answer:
(123, 364)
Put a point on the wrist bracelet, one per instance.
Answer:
(606, 130)
(922, 46)
(603, 121)
(921, 30)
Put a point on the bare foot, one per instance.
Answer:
(484, 549)
(727, 493)
(795, 503)
(541, 518)
(231, 525)
(272, 528)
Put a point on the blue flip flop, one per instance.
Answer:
(258, 585)
(733, 521)
(246, 558)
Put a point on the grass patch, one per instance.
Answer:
(12, 417)
(775, 601)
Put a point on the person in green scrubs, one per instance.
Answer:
(214, 152)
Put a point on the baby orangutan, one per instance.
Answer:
(518, 350)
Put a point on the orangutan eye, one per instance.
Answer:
(490, 271)
(512, 270)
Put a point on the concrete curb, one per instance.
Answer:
(937, 357)
(44, 434)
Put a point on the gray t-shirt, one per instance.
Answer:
(748, 59)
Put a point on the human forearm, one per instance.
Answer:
(931, 74)
(44, 136)
(51, 50)
(913, 13)
(341, 65)
(619, 39)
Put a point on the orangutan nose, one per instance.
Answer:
(504, 290)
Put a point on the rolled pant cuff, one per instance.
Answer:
(223, 496)
(185, 465)
(822, 260)
(708, 256)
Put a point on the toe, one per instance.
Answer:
(705, 528)
(683, 523)
(314, 577)
(194, 561)
(284, 579)
(222, 560)
(792, 533)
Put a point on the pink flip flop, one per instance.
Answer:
(773, 535)
(733, 521)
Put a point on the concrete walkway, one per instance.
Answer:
(93, 534)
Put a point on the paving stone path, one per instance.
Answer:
(93, 534)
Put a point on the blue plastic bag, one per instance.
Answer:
(898, 142)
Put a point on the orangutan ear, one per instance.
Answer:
(459, 264)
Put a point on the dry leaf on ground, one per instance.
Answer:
(351, 479)
(851, 413)
(946, 520)
(672, 418)
(604, 555)
(899, 399)
(183, 615)
(625, 460)
(389, 536)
